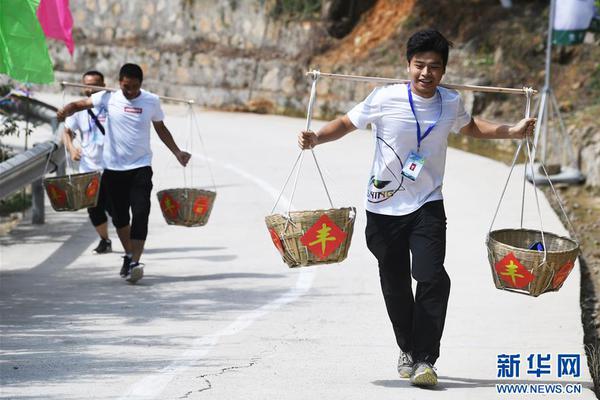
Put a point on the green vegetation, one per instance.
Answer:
(17, 202)
(296, 9)
(595, 79)
(9, 125)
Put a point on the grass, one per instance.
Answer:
(592, 351)
(17, 202)
(296, 9)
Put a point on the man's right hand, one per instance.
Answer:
(307, 140)
(61, 114)
(75, 153)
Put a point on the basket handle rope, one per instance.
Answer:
(194, 123)
(512, 167)
(556, 196)
(529, 162)
(189, 144)
(537, 201)
(527, 115)
(67, 155)
(298, 163)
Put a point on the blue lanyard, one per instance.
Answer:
(428, 131)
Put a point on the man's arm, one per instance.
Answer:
(334, 130)
(166, 137)
(68, 139)
(482, 129)
(72, 108)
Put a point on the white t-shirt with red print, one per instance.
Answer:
(128, 126)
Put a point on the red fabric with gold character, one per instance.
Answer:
(511, 271)
(323, 238)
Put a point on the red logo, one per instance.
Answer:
(412, 166)
(92, 187)
(133, 110)
(276, 241)
(323, 238)
(57, 195)
(511, 271)
(169, 206)
(562, 274)
(200, 206)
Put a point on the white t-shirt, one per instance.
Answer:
(388, 111)
(127, 141)
(90, 137)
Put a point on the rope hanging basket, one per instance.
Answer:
(527, 261)
(516, 267)
(305, 238)
(186, 206)
(312, 237)
(73, 192)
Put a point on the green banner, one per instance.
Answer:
(23, 50)
(568, 37)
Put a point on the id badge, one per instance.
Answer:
(413, 166)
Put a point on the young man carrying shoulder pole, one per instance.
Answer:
(89, 124)
(406, 221)
(128, 158)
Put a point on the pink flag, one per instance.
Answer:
(56, 20)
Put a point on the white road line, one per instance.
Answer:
(151, 386)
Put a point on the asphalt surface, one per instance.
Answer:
(218, 315)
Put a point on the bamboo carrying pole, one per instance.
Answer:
(80, 85)
(357, 78)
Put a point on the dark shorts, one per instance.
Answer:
(129, 199)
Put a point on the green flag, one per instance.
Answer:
(23, 50)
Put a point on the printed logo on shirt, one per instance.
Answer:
(384, 182)
(133, 110)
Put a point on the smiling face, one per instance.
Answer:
(92, 80)
(130, 87)
(426, 71)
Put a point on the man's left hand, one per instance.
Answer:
(183, 157)
(523, 128)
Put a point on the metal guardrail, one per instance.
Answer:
(31, 166)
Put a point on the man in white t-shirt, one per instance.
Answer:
(131, 112)
(406, 222)
(88, 125)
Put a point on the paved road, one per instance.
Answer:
(219, 316)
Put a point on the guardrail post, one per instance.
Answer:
(37, 202)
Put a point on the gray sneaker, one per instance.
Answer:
(424, 375)
(405, 365)
(136, 272)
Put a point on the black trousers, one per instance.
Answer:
(418, 320)
(130, 190)
(98, 214)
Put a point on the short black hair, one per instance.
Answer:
(93, 72)
(131, 71)
(428, 40)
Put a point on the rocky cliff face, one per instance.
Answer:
(243, 55)
(224, 54)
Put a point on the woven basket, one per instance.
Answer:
(312, 237)
(517, 268)
(186, 206)
(73, 192)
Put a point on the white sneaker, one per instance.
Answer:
(424, 375)
(405, 365)
(136, 272)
